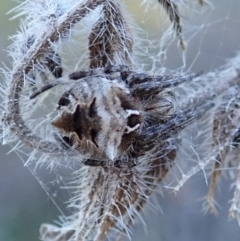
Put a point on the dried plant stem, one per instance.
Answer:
(215, 176)
(235, 202)
(110, 41)
(172, 10)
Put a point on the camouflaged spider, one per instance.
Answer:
(105, 114)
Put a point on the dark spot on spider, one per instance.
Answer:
(95, 163)
(77, 121)
(133, 120)
(94, 134)
(64, 100)
(78, 75)
(57, 72)
(68, 140)
(54, 65)
(92, 109)
(126, 102)
(126, 105)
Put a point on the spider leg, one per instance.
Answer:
(108, 70)
(83, 74)
(150, 85)
(117, 163)
(110, 40)
(42, 90)
(94, 163)
(153, 134)
(172, 11)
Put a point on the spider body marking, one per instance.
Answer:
(97, 115)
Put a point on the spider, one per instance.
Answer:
(106, 114)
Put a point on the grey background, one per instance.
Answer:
(24, 205)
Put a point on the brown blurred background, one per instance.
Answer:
(24, 205)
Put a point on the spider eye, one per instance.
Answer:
(92, 109)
